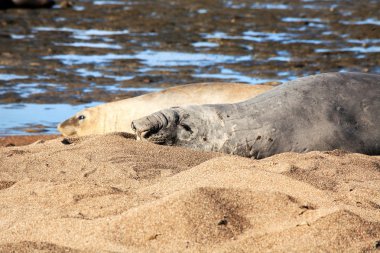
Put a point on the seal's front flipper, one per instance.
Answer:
(159, 127)
(143, 127)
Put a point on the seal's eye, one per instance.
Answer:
(81, 117)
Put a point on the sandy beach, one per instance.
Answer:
(112, 193)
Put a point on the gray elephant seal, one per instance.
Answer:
(118, 116)
(321, 112)
(5, 4)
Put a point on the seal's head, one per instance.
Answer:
(174, 126)
(83, 123)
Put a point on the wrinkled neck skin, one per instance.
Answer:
(229, 129)
(247, 134)
(199, 127)
(243, 129)
(220, 128)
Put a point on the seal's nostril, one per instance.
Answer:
(145, 134)
(133, 126)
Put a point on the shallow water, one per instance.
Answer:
(99, 51)
(44, 119)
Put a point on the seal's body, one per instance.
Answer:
(321, 112)
(117, 116)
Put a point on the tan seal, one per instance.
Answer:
(117, 116)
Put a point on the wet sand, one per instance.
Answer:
(111, 193)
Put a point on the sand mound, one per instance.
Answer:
(116, 159)
(204, 216)
(341, 231)
(111, 193)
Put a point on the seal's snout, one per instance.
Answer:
(133, 127)
(68, 127)
(61, 128)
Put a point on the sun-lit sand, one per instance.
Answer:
(112, 193)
